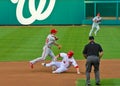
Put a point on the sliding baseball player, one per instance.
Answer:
(67, 61)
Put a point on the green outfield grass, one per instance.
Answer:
(104, 82)
(24, 43)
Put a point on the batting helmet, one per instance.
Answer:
(70, 54)
(53, 31)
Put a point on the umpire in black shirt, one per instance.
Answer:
(92, 52)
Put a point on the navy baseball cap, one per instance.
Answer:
(91, 38)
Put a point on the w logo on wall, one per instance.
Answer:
(35, 13)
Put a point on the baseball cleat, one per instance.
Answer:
(53, 72)
(43, 64)
(88, 84)
(31, 65)
(98, 84)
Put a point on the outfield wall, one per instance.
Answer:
(28, 12)
(58, 12)
(109, 10)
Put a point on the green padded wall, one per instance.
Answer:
(64, 12)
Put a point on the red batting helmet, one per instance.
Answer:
(70, 54)
(53, 31)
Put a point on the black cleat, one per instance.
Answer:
(88, 84)
(98, 84)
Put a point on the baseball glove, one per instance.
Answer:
(99, 21)
(56, 38)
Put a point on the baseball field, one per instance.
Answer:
(20, 44)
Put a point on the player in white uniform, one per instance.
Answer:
(50, 40)
(96, 21)
(67, 61)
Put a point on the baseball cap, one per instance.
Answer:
(91, 38)
(53, 31)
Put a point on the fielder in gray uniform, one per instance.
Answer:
(96, 21)
(50, 41)
(92, 52)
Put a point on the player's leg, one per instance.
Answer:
(57, 64)
(90, 33)
(44, 54)
(88, 69)
(60, 69)
(96, 69)
(48, 64)
(52, 55)
(97, 29)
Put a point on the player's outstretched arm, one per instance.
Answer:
(77, 69)
(57, 56)
(59, 46)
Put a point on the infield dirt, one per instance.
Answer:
(20, 74)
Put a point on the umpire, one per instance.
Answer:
(92, 52)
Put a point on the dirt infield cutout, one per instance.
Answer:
(20, 74)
